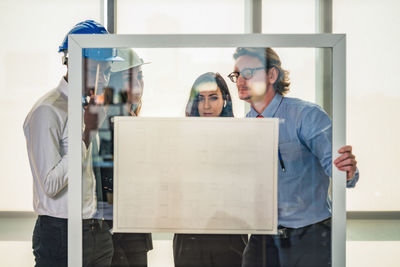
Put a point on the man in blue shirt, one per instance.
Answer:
(305, 156)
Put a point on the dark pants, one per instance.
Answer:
(97, 243)
(303, 247)
(49, 242)
(208, 250)
(130, 249)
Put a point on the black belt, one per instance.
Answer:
(46, 218)
(285, 232)
(93, 222)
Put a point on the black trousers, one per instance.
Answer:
(49, 242)
(50, 246)
(130, 249)
(97, 243)
(208, 250)
(308, 246)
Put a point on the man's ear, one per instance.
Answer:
(272, 75)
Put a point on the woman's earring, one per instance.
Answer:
(224, 103)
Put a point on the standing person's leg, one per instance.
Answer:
(225, 250)
(137, 258)
(188, 251)
(119, 257)
(49, 242)
(97, 243)
(130, 249)
(306, 247)
(261, 251)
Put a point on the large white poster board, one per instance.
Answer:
(195, 175)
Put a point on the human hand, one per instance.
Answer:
(347, 161)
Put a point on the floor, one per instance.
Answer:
(369, 243)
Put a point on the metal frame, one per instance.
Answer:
(108, 15)
(252, 24)
(252, 16)
(75, 155)
(337, 43)
(323, 58)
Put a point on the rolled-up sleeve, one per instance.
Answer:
(353, 181)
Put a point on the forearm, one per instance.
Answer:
(47, 143)
(57, 178)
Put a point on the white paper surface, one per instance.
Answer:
(195, 175)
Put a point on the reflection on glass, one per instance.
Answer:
(305, 148)
(97, 240)
(209, 97)
(121, 96)
(304, 143)
(256, 77)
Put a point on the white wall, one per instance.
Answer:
(29, 67)
(373, 98)
(171, 74)
(180, 16)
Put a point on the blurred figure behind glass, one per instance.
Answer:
(123, 97)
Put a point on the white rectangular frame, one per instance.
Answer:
(123, 152)
(336, 42)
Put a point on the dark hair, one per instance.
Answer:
(270, 59)
(192, 107)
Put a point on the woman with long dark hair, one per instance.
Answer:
(209, 97)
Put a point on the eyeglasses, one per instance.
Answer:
(246, 73)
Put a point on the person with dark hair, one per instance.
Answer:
(305, 164)
(209, 97)
(211, 89)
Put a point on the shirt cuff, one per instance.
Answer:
(353, 181)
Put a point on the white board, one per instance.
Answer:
(195, 175)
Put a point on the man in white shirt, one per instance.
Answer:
(46, 132)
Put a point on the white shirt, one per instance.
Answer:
(46, 133)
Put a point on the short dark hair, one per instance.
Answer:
(270, 59)
(192, 107)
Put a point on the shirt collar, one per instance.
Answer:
(271, 109)
(63, 87)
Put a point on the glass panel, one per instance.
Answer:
(33, 138)
(180, 16)
(288, 16)
(96, 201)
(29, 38)
(167, 83)
(305, 146)
(372, 97)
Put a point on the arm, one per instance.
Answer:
(43, 142)
(316, 134)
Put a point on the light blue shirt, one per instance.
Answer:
(305, 144)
